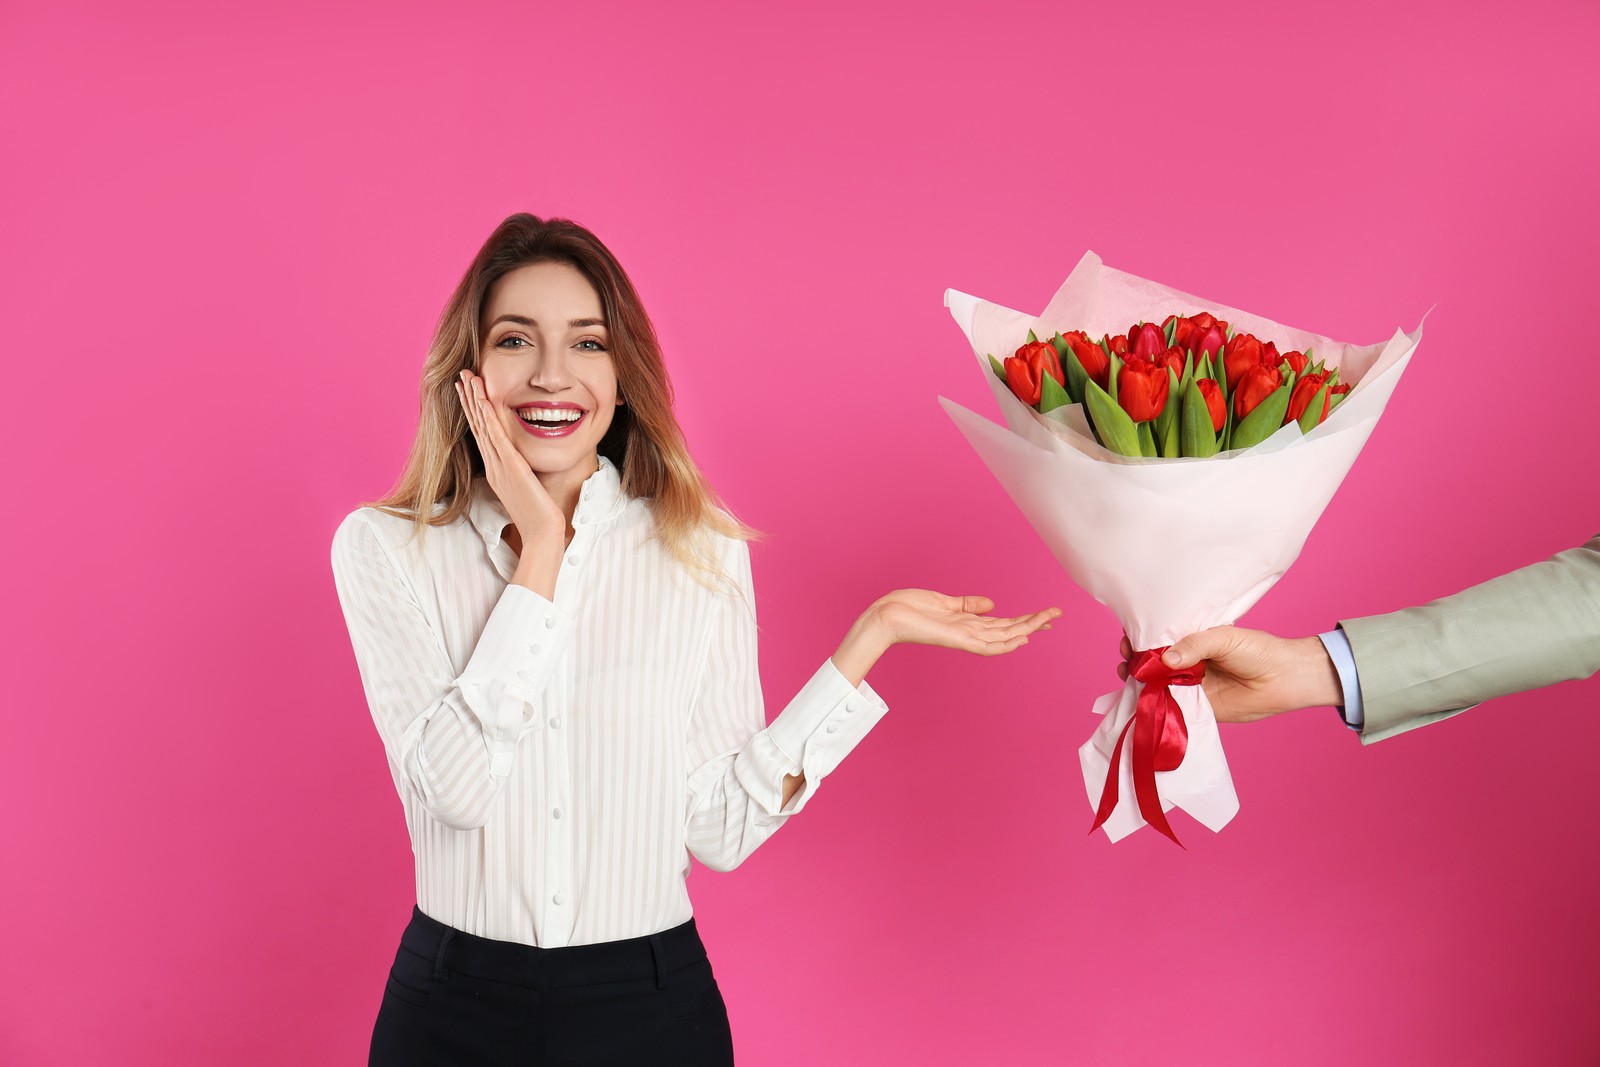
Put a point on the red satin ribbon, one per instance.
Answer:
(1160, 738)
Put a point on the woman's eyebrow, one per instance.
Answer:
(575, 324)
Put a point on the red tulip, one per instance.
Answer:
(1214, 403)
(1147, 341)
(1209, 341)
(1142, 389)
(1117, 343)
(1173, 359)
(1298, 361)
(1305, 390)
(1255, 385)
(1025, 371)
(1239, 355)
(1094, 359)
(1181, 329)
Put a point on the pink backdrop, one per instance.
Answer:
(227, 236)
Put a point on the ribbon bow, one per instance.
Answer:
(1160, 738)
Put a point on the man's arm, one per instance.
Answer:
(1530, 628)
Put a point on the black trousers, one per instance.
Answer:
(454, 999)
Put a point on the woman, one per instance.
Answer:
(554, 625)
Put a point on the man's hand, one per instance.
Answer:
(1251, 674)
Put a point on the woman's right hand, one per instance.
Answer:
(532, 509)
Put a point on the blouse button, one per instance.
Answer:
(851, 708)
(550, 623)
(574, 560)
(833, 727)
(536, 649)
(555, 722)
(556, 814)
(556, 899)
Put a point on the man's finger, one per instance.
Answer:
(1196, 647)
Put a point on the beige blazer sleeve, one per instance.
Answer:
(1530, 628)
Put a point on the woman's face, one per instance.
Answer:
(546, 355)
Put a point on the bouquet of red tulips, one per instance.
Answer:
(1175, 469)
(1189, 387)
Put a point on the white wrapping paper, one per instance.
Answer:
(1171, 546)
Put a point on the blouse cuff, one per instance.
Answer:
(516, 653)
(818, 729)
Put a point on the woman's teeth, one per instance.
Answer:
(549, 416)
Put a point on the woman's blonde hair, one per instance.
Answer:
(644, 439)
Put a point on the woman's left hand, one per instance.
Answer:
(923, 617)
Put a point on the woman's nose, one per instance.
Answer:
(550, 371)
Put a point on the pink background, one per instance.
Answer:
(227, 236)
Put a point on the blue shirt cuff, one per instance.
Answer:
(1344, 661)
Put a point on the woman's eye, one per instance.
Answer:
(598, 347)
(506, 341)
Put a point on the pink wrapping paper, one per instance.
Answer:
(1171, 546)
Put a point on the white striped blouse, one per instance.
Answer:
(559, 762)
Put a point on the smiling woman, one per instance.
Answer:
(566, 715)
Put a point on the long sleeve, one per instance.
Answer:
(1337, 645)
(738, 763)
(1530, 628)
(450, 738)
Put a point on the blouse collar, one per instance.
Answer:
(600, 500)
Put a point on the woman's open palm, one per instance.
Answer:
(924, 617)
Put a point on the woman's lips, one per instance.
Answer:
(561, 430)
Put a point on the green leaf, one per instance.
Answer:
(1113, 426)
(999, 368)
(1308, 418)
(1147, 441)
(1171, 330)
(1076, 375)
(1307, 353)
(1169, 439)
(1031, 337)
(1264, 421)
(1166, 422)
(1052, 395)
(1116, 373)
(1195, 435)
